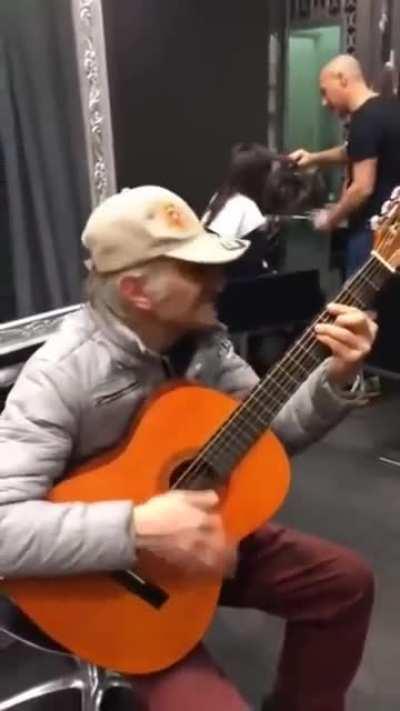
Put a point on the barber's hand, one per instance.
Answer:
(185, 529)
(322, 220)
(303, 158)
(350, 339)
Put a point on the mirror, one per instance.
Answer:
(308, 124)
(317, 32)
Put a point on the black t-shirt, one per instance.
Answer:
(375, 133)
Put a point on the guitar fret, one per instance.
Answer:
(288, 375)
(261, 412)
(249, 425)
(358, 302)
(285, 391)
(372, 283)
(255, 411)
(315, 361)
(298, 365)
(260, 421)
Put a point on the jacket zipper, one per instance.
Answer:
(110, 397)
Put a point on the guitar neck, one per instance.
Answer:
(256, 414)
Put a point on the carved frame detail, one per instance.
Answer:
(93, 79)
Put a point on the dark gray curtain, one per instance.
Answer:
(7, 293)
(42, 143)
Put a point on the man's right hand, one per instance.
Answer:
(185, 529)
(303, 158)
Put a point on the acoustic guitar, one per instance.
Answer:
(143, 620)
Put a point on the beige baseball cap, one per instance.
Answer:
(143, 223)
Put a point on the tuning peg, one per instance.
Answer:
(375, 223)
(386, 207)
(396, 193)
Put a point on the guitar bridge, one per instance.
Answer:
(152, 594)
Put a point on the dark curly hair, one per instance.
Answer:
(272, 180)
(249, 167)
(289, 190)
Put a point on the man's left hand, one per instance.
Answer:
(350, 339)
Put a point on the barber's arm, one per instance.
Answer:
(361, 188)
(332, 156)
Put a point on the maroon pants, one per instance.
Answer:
(325, 594)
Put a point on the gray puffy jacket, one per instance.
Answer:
(77, 396)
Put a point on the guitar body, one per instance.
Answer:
(102, 621)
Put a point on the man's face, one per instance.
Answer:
(189, 295)
(333, 89)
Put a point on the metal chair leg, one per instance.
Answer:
(115, 681)
(92, 692)
(50, 687)
(98, 682)
(98, 700)
(91, 681)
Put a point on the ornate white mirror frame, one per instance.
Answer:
(96, 114)
(92, 67)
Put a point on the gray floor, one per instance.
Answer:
(339, 491)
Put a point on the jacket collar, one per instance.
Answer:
(127, 340)
(119, 333)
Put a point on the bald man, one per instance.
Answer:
(372, 154)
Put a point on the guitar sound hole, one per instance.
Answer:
(193, 478)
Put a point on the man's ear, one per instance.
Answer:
(131, 290)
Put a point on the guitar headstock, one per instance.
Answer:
(386, 228)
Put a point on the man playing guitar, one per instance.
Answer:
(154, 274)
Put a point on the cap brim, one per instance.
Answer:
(210, 248)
